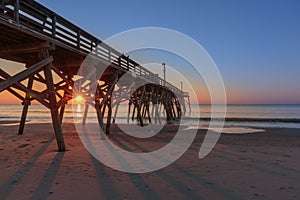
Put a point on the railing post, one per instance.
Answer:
(78, 39)
(53, 25)
(119, 61)
(128, 63)
(92, 45)
(16, 11)
(109, 54)
(2, 7)
(140, 70)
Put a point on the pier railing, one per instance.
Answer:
(33, 15)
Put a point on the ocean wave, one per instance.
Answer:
(8, 117)
(283, 120)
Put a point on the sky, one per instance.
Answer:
(254, 43)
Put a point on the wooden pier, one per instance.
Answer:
(50, 46)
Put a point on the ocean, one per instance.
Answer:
(248, 116)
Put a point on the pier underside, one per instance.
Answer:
(54, 50)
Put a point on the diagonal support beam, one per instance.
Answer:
(54, 112)
(111, 88)
(21, 87)
(13, 92)
(52, 101)
(24, 74)
(69, 82)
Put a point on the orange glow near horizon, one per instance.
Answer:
(236, 94)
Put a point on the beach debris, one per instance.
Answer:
(23, 145)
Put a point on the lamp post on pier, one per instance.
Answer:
(164, 71)
(181, 86)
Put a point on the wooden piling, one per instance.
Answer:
(26, 104)
(128, 114)
(52, 102)
(109, 113)
(86, 109)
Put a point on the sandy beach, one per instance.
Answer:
(262, 165)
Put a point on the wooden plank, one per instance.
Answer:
(33, 24)
(30, 10)
(23, 48)
(36, 7)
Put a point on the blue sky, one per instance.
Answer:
(255, 43)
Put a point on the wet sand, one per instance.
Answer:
(262, 165)
(7, 122)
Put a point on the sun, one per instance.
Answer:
(79, 99)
